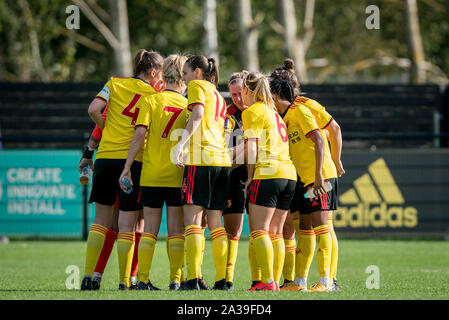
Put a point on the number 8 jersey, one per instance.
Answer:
(123, 96)
(263, 124)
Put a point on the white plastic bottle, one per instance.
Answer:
(85, 175)
(309, 194)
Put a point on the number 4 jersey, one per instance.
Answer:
(164, 114)
(123, 96)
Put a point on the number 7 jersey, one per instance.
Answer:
(123, 96)
(164, 116)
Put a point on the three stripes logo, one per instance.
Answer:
(375, 201)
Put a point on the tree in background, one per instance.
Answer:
(210, 27)
(118, 38)
(296, 47)
(248, 34)
(35, 44)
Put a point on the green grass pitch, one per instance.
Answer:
(407, 270)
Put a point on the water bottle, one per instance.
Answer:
(85, 175)
(311, 195)
(127, 183)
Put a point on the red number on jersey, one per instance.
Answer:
(127, 111)
(176, 113)
(222, 114)
(281, 126)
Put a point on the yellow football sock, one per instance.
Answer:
(146, 251)
(304, 256)
(334, 254)
(289, 262)
(94, 245)
(175, 245)
(193, 247)
(220, 252)
(125, 251)
(233, 245)
(324, 250)
(203, 249)
(277, 241)
(254, 267)
(264, 254)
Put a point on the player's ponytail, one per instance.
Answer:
(209, 67)
(172, 69)
(145, 61)
(259, 87)
(283, 89)
(287, 72)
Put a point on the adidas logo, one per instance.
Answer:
(375, 201)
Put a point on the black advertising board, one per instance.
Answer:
(394, 193)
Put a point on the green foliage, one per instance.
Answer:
(176, 26)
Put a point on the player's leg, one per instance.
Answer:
(219, 247)
(334, 254)
(175, 244)
(125, 245)
(220, 178)
(109, 241)
(332, 197)
(103, 193)
(193, 244)
(324, 241)
(256, 274)
(175, 240)
(288, 270)
(260, 218)
(277, 241)
(129, 206)
(233, 223)
(138, 231)
(95, 242)
(195, 197)
(203, 285)
(306, 249)
(153, 217)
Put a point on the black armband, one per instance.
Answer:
(88, 154)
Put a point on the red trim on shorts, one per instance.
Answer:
(323, 199)
(140, 192)
(254, 190)
(116, 203)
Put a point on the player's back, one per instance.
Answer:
(165, 115)
(122, 95)
(273, 159)
(209, 140)
(322, 117)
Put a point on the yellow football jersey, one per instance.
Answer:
(300, 125)
(322, 117)
(164, 116)
(207, 145)
(273, 160)
(123, 96)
